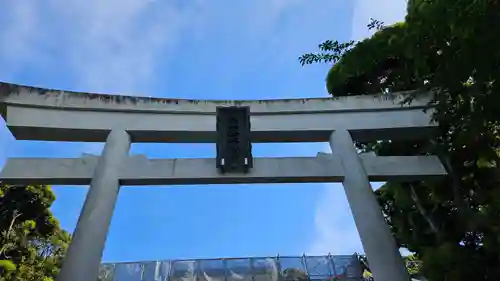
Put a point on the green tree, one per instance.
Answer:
(449, 49)
(32, 243)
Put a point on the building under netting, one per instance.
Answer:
(305, 268)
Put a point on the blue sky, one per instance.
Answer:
(196, 49)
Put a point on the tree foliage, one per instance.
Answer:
(32, 244)
(449, 48)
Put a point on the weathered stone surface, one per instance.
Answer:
(42, 114)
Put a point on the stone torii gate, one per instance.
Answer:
(52, 115)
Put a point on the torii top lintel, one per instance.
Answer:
(33, 113)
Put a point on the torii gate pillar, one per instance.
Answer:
(381, 251)
(87, 245)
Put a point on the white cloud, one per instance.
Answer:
(112, 46)
(115, 45)
(103, 46)
(335, 230)
(17, 35)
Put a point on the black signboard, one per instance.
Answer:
(234, 148)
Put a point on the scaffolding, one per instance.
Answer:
(296, 268)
